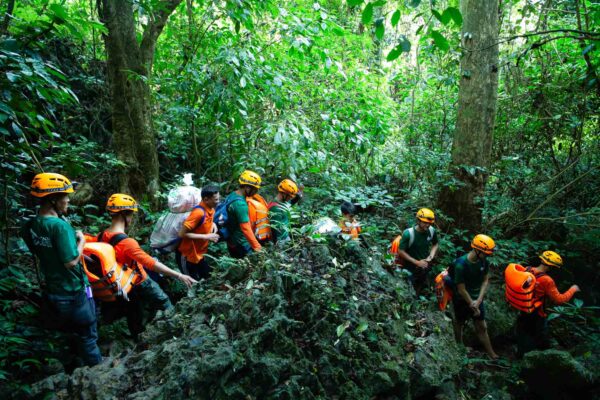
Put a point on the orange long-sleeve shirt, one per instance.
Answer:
(247, 231)
(545, 288)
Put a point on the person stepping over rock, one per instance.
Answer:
(470, 277)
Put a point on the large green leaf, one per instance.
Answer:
(379, 28)
(367, 14)
(395, 17)
(454, 14)
(440, 41)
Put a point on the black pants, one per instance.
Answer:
(238, 251)
(532, 333)
(199, 270)
(75, 314)
(146, 294)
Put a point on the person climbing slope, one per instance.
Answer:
(417, 248)
(532, 328)
(279, 210)
(240, 237)
(145, 292)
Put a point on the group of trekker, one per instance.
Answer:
(80, 274)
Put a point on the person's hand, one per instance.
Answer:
(80, 236)
(475, 304)
(577, 289)
(429, 259)
(187, 280)
(213, 237)
(214, 228)
(422, 264)
(476, 311)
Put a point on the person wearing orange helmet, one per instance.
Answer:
(470, 276)
(242, 240)
(418, 247)
(279, 210)
(59, 249)
(532, 328)
(145, 292)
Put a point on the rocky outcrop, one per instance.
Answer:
(324, 321)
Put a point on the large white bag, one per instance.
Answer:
(181, 201)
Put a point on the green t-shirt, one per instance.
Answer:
(471, 274)
(54, 242)
(279, 218)
(421, 245)
(237, 213)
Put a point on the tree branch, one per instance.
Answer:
(155, 28)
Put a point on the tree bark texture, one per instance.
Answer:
(129, 66)
(477, 98)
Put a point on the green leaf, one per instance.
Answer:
(379, 28)
(243, 82)
(440, 41)
(367, 14)
(395, 17)
(414, 3)
(363, 326)
(443, 18)
(354, 3)
(59, 11)
(454, 14)
(12, 77)
(342, 328)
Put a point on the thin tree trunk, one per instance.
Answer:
(129, 68)
(477, 98)
(10, 7)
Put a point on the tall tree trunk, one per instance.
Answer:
(477, 97)
(129, 67)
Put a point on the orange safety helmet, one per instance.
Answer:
(48, 183)
(552, 259)
(121, 202)
(250, 178)
(288, 186)
(426, 215)
(483, 243)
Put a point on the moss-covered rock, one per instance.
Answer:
(326, 323)
(552, 373)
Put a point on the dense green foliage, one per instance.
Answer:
(356, 99)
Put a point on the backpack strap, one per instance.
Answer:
(431, 233)
(115, 240)
(118, 238)
(203, 216)
(411, 236)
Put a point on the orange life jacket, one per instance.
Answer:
(520, 288)
(108, 278)
(394, 251)
(443, 292)
(258, 212)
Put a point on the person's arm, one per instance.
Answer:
(249, 235)
(163, 269)
(482, 291)
(555, 296)
(135, 252)
(433, 252)
(80, 244)
(185, 233)
(462, 290)
(419, 263)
